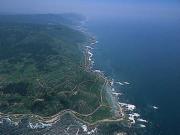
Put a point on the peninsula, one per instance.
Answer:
(45, 74)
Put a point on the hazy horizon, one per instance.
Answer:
(43, 71)
(115, 8)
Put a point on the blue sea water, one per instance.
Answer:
(146, 54)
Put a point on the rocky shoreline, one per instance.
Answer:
(89, 62)
(66, 122)
(125, 111)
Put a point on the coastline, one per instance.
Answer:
(109, 83)
(39, 122)
(107, 91)
(125, 111)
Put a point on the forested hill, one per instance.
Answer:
(41, 68)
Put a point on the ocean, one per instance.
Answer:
(145, 53)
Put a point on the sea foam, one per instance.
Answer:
(142, 120)
(155, 107)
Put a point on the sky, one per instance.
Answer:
(95, 8)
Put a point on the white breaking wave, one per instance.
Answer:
(98, 71)
(38, 125)
(89, 47)
(126, 83)
(94, 42)
(120, 83)
(92, 131)
(155, 107)
(142, 126)
(132, 117)
(128, 106)
(113, 90)
(112, 82)
(123, 83)
(141, 120)
(90, 55)
(84, 127)
(116, 94)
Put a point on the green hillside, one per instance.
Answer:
(41, 70)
